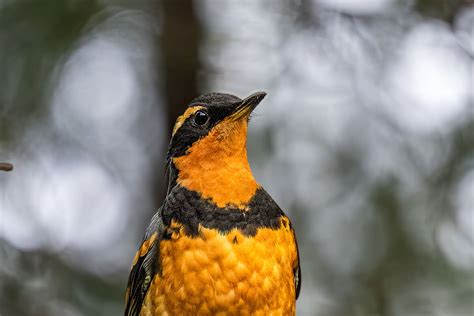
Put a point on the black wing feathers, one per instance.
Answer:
(297, 271)
(144, 269)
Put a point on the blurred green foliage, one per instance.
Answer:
(34, 38)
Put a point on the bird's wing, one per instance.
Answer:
(145, 266)
(297, 269)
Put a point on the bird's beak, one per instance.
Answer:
(244, 108)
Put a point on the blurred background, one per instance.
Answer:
(366, 140)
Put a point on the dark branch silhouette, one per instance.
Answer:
(5, 166)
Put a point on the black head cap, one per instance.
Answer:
(215, 99)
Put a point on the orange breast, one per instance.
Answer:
(221, 274)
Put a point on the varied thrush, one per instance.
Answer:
(219, 244)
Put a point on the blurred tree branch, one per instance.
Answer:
(180, 43)
(5, 166)
(442, 9)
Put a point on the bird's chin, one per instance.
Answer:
(231, 130)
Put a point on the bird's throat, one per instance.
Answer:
(216, 167)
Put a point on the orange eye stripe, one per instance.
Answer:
(180, 121)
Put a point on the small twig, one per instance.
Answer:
(5, 166)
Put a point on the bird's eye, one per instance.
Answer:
(201, 117)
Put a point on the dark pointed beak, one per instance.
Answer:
(244, 108)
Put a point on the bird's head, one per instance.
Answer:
(208, 147)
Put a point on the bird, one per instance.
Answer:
(219, 244)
